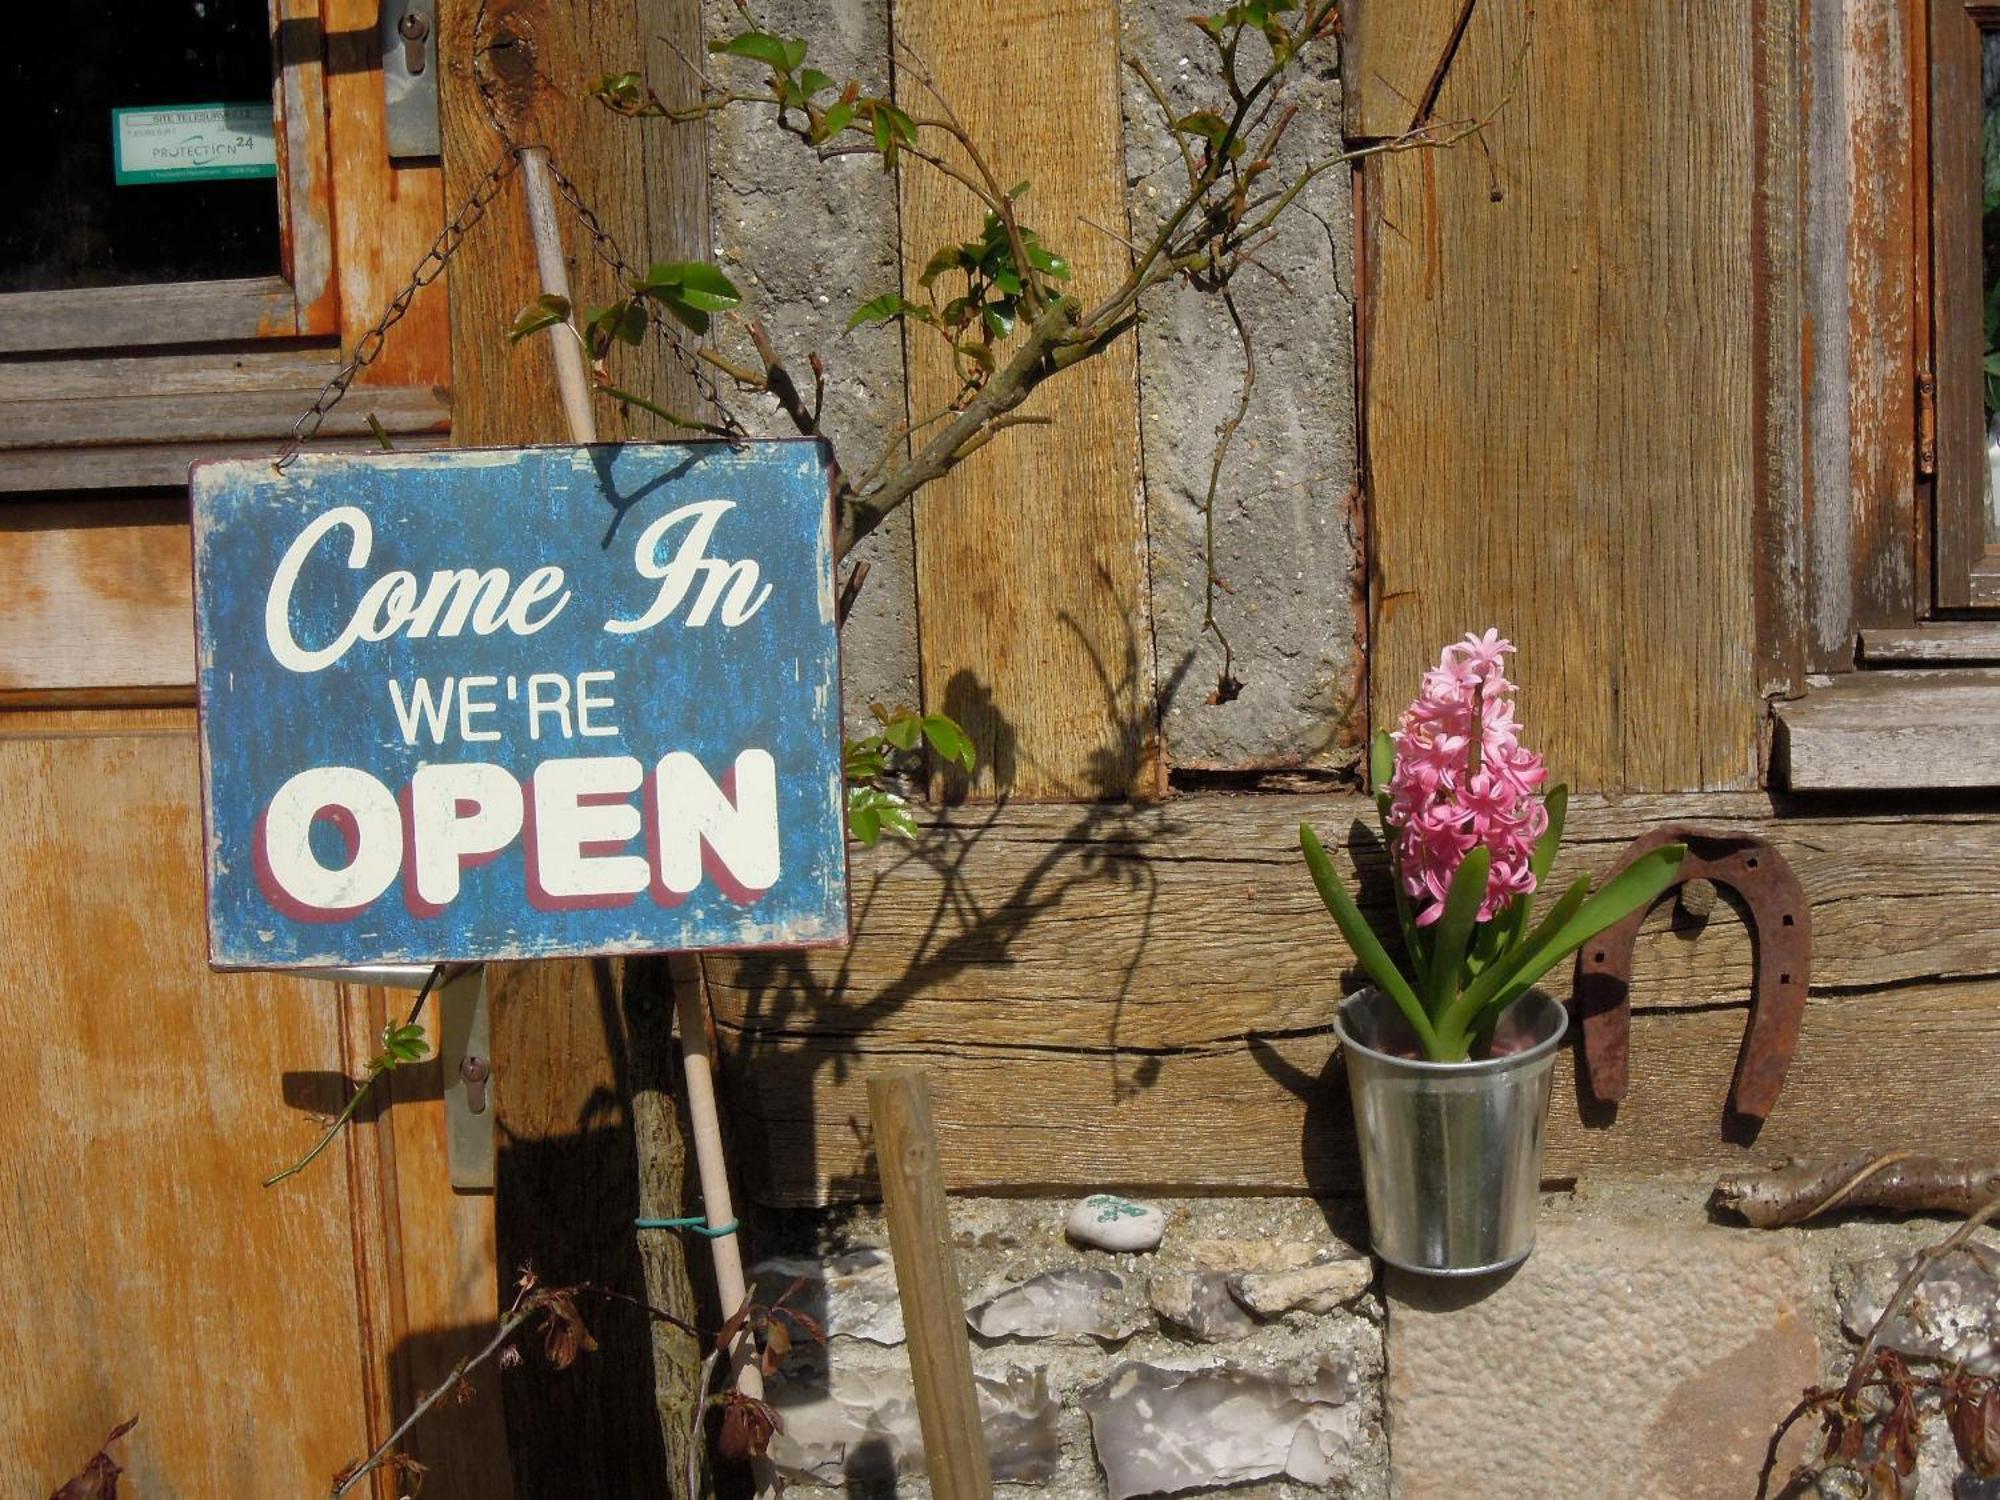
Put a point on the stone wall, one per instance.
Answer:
(1643, 1351)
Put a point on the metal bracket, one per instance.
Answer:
(1780, 930)
(408, 34)
(465, 1049)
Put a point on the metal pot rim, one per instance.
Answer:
(1552, 1010)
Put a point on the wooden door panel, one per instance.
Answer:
(145, 1269)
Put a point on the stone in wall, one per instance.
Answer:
(1284, 544)
(1199, 1304)
(1070, 1303)
(855, 1421)
(807, 242)
(1161, 1430)
(1953, 1315)
(851, 1296)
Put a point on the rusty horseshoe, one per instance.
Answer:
(1780, 928)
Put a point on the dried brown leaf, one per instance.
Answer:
(564, 1336)
(98, 1479)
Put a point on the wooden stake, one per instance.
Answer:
(713, 1167)
(570, 378)
(899, 1104)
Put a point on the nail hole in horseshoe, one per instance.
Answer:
(1788, 919)
(1751, 862)
(1599, 956)
(1784, 979)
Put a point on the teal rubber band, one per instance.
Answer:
(699, 1224)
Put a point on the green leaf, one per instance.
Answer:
(999, 317)
(904, 731)
(980, 354)
(882, 309)
(904, 125)
(763, 47)
(545, 311)
(1048, 262)
(812, 82)
(864, 822)
(862, 760)
(885, 138)
(1631, 890)
(1467, 1012)
(837, 118)
(1556, 801)
(1368, 949)
(1381, 759)
(950, 258)
(871, 812)
(951, 743)
(1454, 928)
(693, 282)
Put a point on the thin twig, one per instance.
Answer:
(526, 1304)
(1224, 436)
(851, 591)
(1858, 1377)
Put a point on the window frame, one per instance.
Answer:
(1965, 568)
(58, 341)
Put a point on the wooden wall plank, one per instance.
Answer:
(1869, 730)
(1273, 1115)
(1957, 194)
(1883, 142)
(1395, 52)
(186, 312)
(1205, 934)
(1031, 556)
(1559, 431)
(1778, 324)
(216, 416)
(446, 1277)
(99, 596)
(500, 59)
(147, 1270)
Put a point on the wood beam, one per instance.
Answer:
(1143, 996)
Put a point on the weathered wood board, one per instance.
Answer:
(1141, 996)
(1865, 731)
(147, 1271)
(1031, 556)
(1560, 434)
(519, 703)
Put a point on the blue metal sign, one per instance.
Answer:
(514, 703)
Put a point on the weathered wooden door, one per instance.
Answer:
(264, 1337)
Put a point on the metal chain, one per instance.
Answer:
(605, 247)
(470, 212)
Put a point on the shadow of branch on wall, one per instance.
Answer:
(802, 1024)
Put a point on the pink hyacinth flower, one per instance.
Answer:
(1443, 803)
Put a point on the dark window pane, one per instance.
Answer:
(67, 65)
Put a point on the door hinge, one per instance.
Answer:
(1926, 423)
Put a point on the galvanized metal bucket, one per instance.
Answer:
(1451, 1153)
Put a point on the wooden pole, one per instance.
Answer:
(570, 380)
(899, 1105)
(710, 1161)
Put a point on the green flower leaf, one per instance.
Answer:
(1361, 938)
(545, 311)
